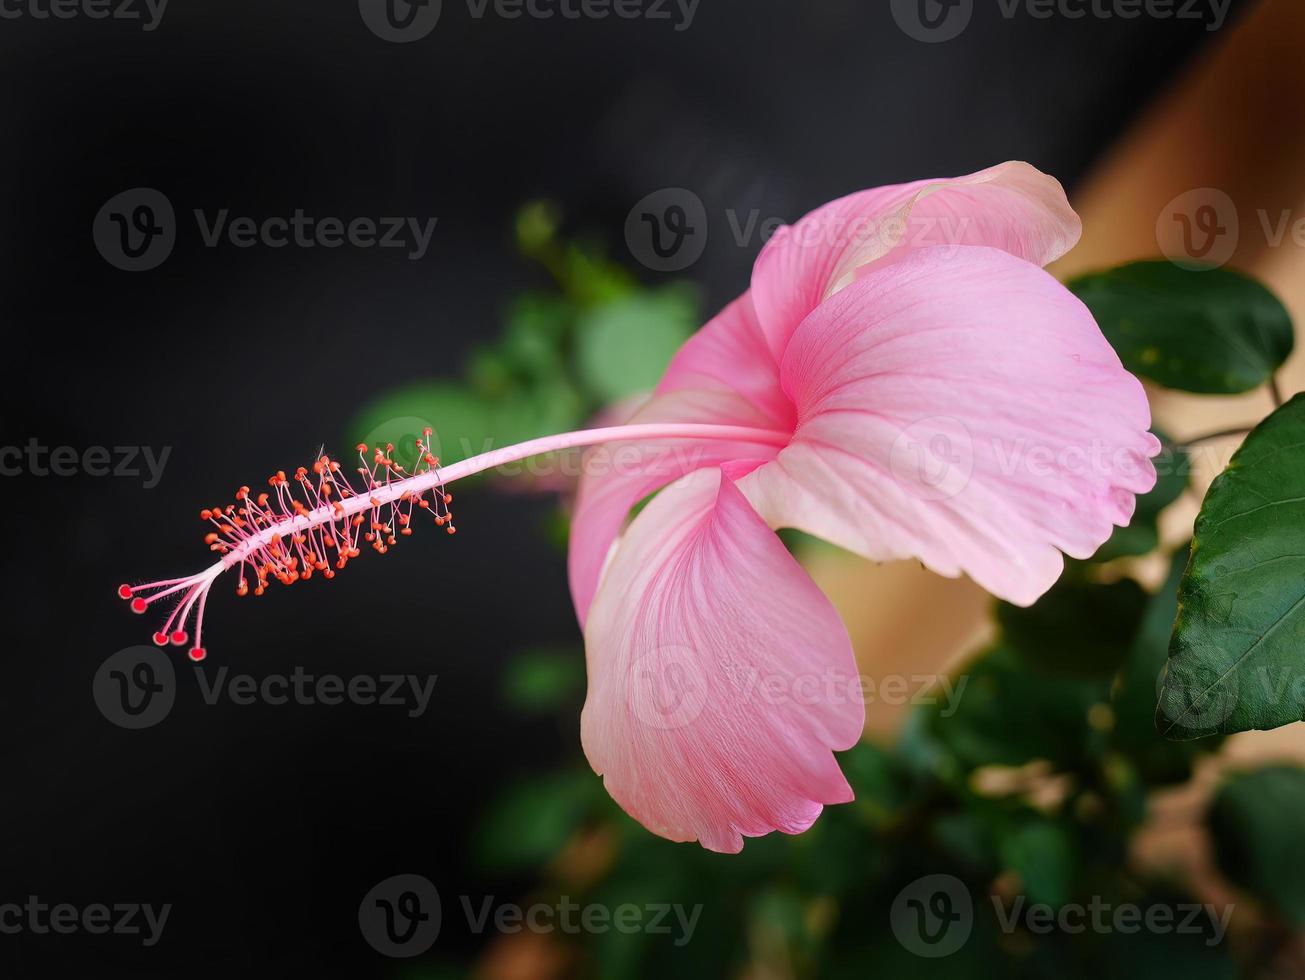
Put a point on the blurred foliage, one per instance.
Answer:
(1029, 787)
(590, 341)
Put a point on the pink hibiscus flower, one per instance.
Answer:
(902, 379)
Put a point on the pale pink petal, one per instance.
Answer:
(720, 678)
(959, 406)
(730, 354)
(1014, 207)
(724, 375)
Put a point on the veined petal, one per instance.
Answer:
(730, 354)
(723, 375)
(1014, 207)
(959, 406)
(720, 677)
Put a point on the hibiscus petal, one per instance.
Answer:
(724, 375)
(1014, 207)
(959, 406)
(720, 677)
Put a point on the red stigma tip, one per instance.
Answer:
(139, 605)
(179, 637)
(124, 592)
(198, 653)
(161, 639)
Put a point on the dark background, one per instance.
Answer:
(264, 826)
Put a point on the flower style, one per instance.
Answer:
(902, 379)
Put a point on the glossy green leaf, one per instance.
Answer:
(1212, 331)
(1255, 822)
(1237, 657)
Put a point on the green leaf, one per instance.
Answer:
(1142, 535)
(544, 680)
(1042, 854)
(1006, 714)
(623, 347)
(531, 822)
(1159, 760)
(1212, 331)
(1237, 657)
(1255, 823)
(464, 423)
(1079, 628)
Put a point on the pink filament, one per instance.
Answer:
(253, 532)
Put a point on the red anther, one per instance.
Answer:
(448, 498)
(160, 639)
(242, 493)
(211, 537)
(406, 532)
(452, 530)
(362, 447)
(179, 638)
(427, 431)
(205, 515)
(139, 605)
(242, 589)
(423, 502)
(124, 592)
(197, 654)
(440, 520)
